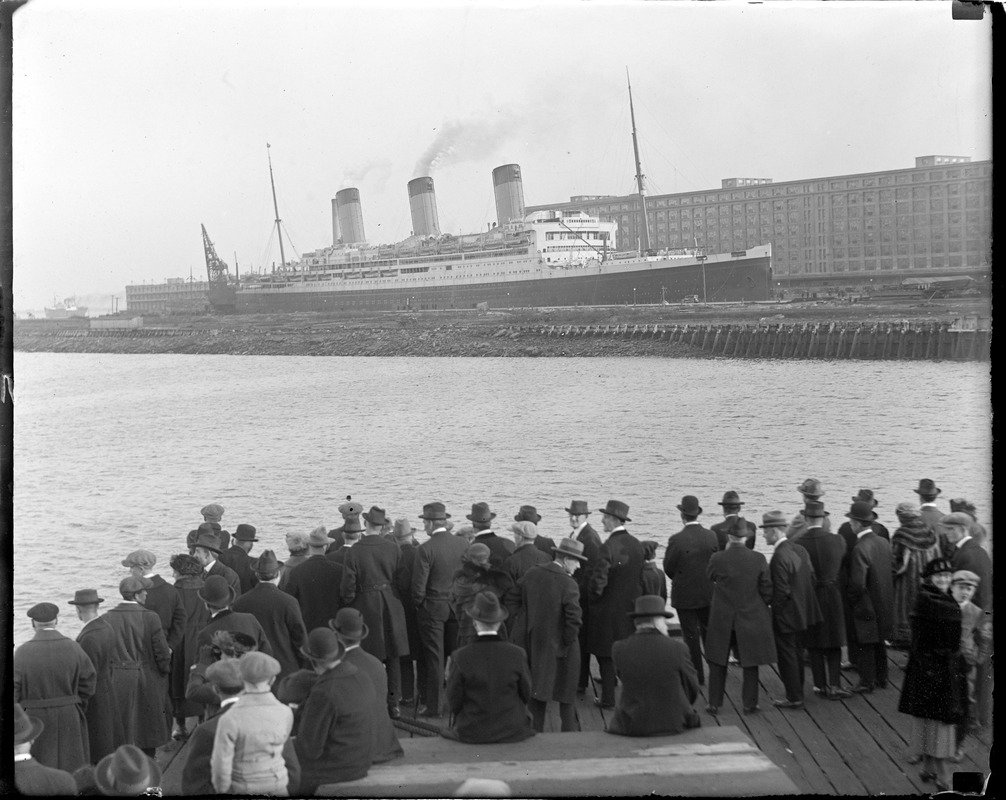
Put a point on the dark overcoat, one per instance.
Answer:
(614, 586)
(243, 565)
(742, 590)
(659, 684)
(827, 554)
(722, 537)
(933, 688)
(187, 652)
(794, 600)
(972, 557)
(225, 572)
(547, 627)
(522, 559)
(499, 548)
(315, 586)
(234, 621)
(368, 585)
(53, 681)
(163, 600)
(850, 538)
(104, 723)
(488, 686)
(546, 544)
(33, 778)
(654, 580)
(591, 550)
(871, 589)
(140, 670)
(437, 559)
(386, 745)
(279, 615)
(686, 562)
(403, 580)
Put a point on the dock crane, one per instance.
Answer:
(222, 292)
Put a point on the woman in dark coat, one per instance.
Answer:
(188, 582)
(913, 545)
(654, 579)
(477, 574)
(933, 692)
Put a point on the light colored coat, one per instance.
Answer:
(248, 746)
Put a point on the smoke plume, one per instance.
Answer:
(458, 141)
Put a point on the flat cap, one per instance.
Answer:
(965, 576)
(44, 612)
(214, 510)
(140, 558)
(225, 674)
(132, 585)
(957, 518)
(257, 666)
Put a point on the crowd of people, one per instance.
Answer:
(288, 675)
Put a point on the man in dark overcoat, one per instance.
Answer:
(547, 626)
(482, 520)
(315, 583)
(140, 668)
(437, 559)
(206, 549)
(97, 639)
(686, 562)
(238, 556)
(219, 597)
(794, 605)
(278, 614)
(845, 529)
(812, 492)
(543, 543)
(659, 684)
(738, 616)
(870, 593)
(350, 510)
(826, 639)
(162, 598)
(615, 584)
(30, 776)
(413, 665)
(587, 536)
(53, 681)
(526, 555)
(732, 504)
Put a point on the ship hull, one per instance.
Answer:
(735, 279)
(65, 313)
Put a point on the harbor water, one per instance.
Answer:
(117, 452)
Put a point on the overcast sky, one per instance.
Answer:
(135, 123)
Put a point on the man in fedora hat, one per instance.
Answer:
(686, 560)
(928, 491)
(351, 630)
(845, 529)
(162, 598)
(351, 509)
(98, 641)
(547, 625)
(140, 668)
(238, 556)
(482, 520)
(314, 583)
(732, 504)
(488, 685)
(738, 616)
(206, 550)
(277, 612)
(587, 536)
(794, 605)
(437, 559)
(127, 772)
(335, 739)
(219, 598)
(53, 681)
(543, 543)
(615, 584)
(351, 533)
(811, 491)
(527, 554)
(413, 665)
(659, 684)
(368, 585)
(870, 594)
(30, 776)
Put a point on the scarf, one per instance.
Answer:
(914, 534)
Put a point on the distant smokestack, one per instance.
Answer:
(336, 232)
(350, 216)
(509, 192)
(423, 203)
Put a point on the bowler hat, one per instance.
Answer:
(225, 674)
(477, 553)
(651, 605)
(437, 511)
(731, 498)
(965, 576)
(352, 525)
(214, 511)
(140, 558)
(207, 539)
(403, 529)
(323, 645)
(26, 729)
(577, 507)
(811, 486)
(690, 505)
(571, 548)
(131, 585)
(936, 566)
(318, 537)
(351, 508)
(216, 592)
(866, 495)
(525, 529)
(257, 666)
(773, 519)
(127, 772)
(245, 533)
(376, 516)
(348, 625)
(267, 563)
(815, 509)
(86, 597)
(861, 511)
(529, 513)
(486, 608)
(617, 509)
(480, 513)
(927, 487)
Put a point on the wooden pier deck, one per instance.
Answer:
(858, 746)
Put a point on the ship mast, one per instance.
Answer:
(279, 232)
(645, 240)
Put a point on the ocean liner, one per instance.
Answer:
(547, 258)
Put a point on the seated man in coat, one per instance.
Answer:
(659, 682)
(489, 684)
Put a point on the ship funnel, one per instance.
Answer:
(509, 192)
(350, 216)
(423, 203)
(336, 231)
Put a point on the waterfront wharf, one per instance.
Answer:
(859, 746)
